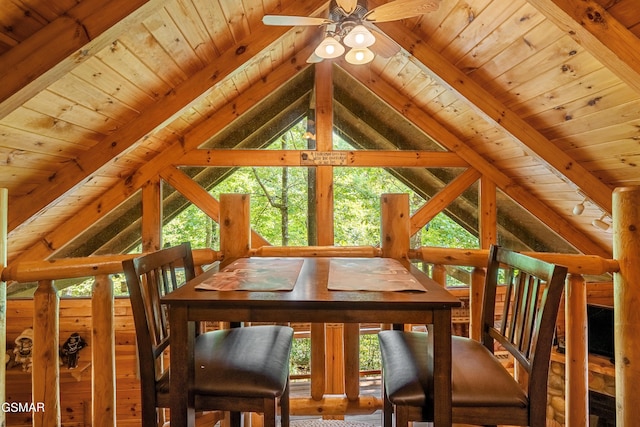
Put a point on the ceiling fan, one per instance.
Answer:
(350, 22)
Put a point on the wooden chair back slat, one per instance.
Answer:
(526, 328)
(149, 278)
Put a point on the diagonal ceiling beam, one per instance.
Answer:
(65, 43)
(50, 244)
(163, 110)
(601, 34)
(443, 199)
(496, 112)
(202, 198)
(448, 140)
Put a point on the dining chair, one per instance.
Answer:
(238, 370)
(484, 392)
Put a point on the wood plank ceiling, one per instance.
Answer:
(98, 97)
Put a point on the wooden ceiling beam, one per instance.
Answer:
(448, 140)
(587, 22)
(442, 199)
(50, 244)
(65, 43)
(166, 108)
(496, 112)
(282, 158)
(202, 199)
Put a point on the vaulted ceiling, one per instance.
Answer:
(98, 97)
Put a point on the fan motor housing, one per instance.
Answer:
(337, 14)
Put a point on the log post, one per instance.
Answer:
(318, 356)
(235, 226)
(324, 376)
(152, 215)
(577, 359)
(4, 215)
(352, 360)
(335, 361)
(439, 274)
(103, 353)
(396, 227)
(46, 367)
(324, 142)
(626, 301)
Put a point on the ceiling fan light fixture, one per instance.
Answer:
(359, 56)
(359, 37)
(329, 48)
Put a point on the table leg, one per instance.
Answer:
(442, 367)
(182, 368)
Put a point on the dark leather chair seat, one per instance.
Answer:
(478, 381)
(244, 361)
(239, 362)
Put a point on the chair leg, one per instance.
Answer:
(387, 413)
(270, 411)
(387, 407)
(150, 415)
(402, 416)
(285, 407)
(235, 419)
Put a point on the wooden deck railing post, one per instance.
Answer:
(576, 360)
(626, 300)
(46, 367)
(235, 226)
(103, 353)
(439, 274)
(4, 209)
(395, 227)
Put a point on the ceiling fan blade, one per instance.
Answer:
(347, 5)
(293, 21)
(384, 46)
(401, 9)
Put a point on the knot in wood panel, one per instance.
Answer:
(595, 16)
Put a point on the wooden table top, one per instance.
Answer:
(311, 292)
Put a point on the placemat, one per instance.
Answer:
(371, 274)
(255, 274)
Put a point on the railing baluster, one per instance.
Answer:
(317, 360)
(46, 366)
(577, 361)
(103, 353)
(352, 360)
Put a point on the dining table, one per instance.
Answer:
(309, 289)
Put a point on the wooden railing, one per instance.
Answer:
(46, 337)
(45, 369)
